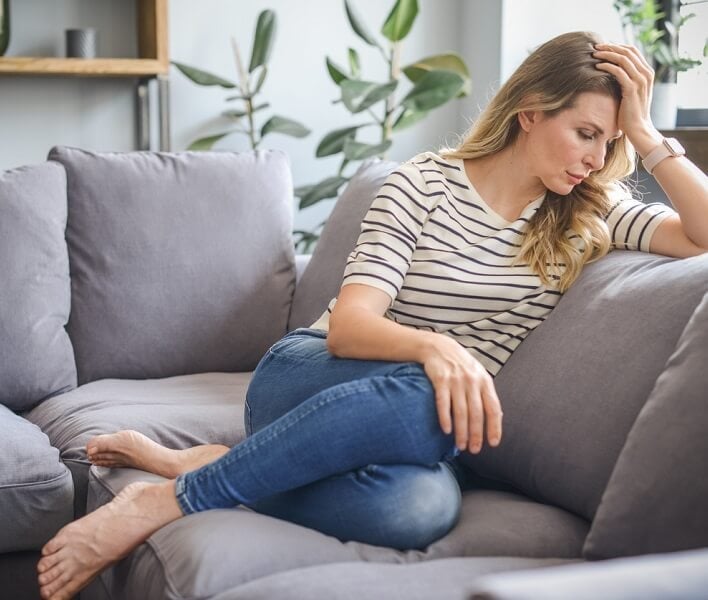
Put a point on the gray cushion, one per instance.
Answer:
(36, 492)
(573, 389)
(657, 497)
(180, 263)
(177, 412)
(36, 357)
(212, 551)
(676, 576)
(451, 579)
(321, 280)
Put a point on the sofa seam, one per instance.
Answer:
(66, 473)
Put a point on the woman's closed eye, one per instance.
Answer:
(586, 135)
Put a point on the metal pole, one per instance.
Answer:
(143, 114)
(163, 83)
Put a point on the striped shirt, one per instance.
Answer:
(444, 257)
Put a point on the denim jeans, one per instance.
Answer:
(352, 448)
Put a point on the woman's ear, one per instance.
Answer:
(527, 119)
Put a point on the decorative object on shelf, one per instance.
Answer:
(81, 43)
(4, 25)
(248, 84)
(436, 80)
(653, 27)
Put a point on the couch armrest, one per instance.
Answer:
(676, 575)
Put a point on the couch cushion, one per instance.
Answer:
(573, 389)
(197, 556)
(36, 357)
(674, 576)
(177, 412)
(36, 492)
(321, 280)
(180, 263)
(657, 497)
(452, 579)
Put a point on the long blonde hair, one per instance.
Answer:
(549, 80)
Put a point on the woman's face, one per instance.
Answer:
(565, 148)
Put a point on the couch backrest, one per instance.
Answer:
(36, 356)
(573, 389)
(180, 262)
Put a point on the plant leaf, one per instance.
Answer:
(335, 71)
(445, 62)
(333, 142)
(327, 188)
(234, 114)
(354, 64)
(203, 77)
(278, 124)
(357, 25)
(360, 95)
(206, 143)
(434, 89)
(263, 40)
(260, 107)
(260, 80)
(354, 150)
(400, 20)
(230, 98)
(407, 118)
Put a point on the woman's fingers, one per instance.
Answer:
(475, 412)
(494, 414)
(460, 411)
(442, 403)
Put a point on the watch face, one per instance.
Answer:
(673, 145)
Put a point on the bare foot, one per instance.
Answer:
(85, 547)
(133, 449)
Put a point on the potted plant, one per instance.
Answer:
(382, 108)
(654, 27)
(248, 86)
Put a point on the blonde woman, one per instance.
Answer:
(460, 256)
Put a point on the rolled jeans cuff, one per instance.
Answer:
(181, 494)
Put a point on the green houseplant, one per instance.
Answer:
(4, 25)
(248, 87)
(434, 81)
(653, 27)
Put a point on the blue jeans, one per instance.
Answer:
(349, 447)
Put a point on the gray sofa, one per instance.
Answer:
(139, 291)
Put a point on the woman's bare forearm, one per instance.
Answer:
(357, 332)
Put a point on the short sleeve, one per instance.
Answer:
(632, 223)
(389, 232)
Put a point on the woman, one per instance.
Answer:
(459, 257)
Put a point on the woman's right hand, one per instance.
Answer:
(465, 396)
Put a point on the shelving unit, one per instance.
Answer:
(153, 63)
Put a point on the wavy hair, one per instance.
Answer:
(550, 80)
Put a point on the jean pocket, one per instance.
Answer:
(303, 343)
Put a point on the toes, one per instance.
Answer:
(50, 575)
(47, 562)
(53, 545)
(54, 589)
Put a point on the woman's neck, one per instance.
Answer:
(503, 180)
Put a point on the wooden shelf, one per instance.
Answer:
(82, 67)
(152, 49)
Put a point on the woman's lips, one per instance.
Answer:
(575, 179)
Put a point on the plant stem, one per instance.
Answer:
(246, 93)
(394, 74)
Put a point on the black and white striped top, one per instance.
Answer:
(431, 243)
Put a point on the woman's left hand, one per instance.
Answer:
(636, 79)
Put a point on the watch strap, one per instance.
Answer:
(669, 147)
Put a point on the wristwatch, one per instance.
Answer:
(669, 147)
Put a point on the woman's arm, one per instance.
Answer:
(464, 390)
(686, 186)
